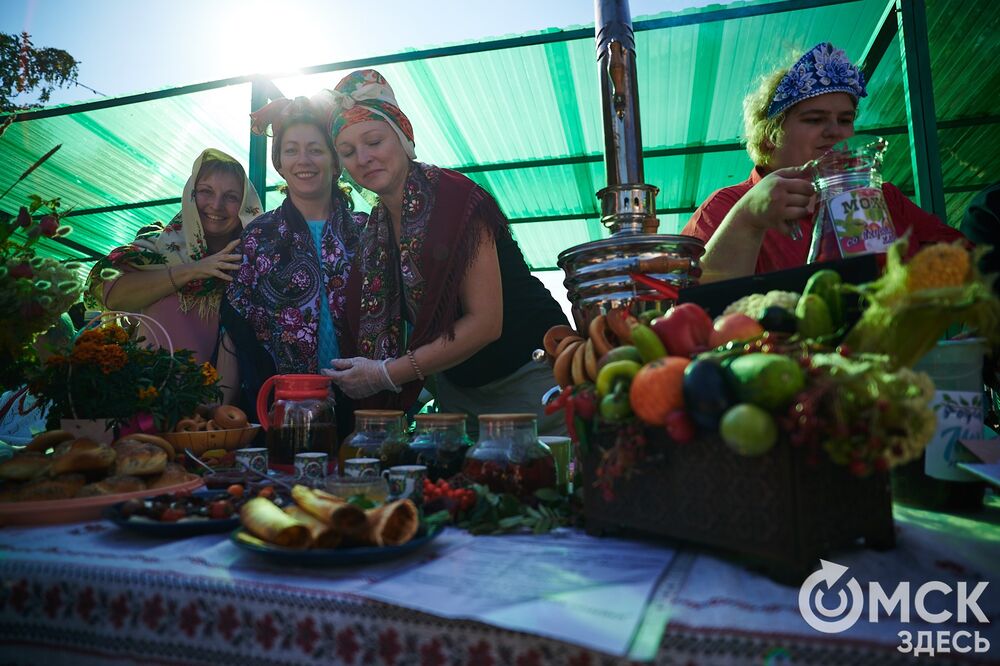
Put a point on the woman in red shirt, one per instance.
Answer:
(765, 223)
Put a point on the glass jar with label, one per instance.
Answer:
(439, 443)
(509, 458)
(378, 433)
(852, 218)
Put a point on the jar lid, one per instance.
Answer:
(507, 418)
(440, 418)
(378, 413)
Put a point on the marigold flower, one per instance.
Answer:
(148, 392)
(209, 374)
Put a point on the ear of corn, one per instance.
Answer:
(911, 306)
(936, 266)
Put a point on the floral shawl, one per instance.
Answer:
(444, 217)
(158, 247)
(278, 287)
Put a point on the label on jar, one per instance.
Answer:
(959, 416)
(861, 221)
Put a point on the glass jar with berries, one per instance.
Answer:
(440, 443)
(509, 458)
(378, 433)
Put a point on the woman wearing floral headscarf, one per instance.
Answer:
(178, 273)
(441, 288)
(797, 114)
(285, 308)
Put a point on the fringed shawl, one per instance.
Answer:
(444, 218)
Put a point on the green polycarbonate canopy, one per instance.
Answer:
(522, 117)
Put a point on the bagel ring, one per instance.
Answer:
(187, 425)
(229, 417)
(211, 425)
(554, 336)
(598, 332)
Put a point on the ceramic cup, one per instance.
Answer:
(254, 458)
(310, 466)
(562, 453)
(358, 467)
(373, 488)
(406, 481)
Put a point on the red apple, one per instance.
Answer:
(735, 326)
(684, 329)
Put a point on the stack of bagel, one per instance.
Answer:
(575, 358)
(213, 417)
(57, 466)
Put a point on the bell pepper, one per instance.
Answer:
(615, 406)
(647, 342)
(611, 373)
(684, 330)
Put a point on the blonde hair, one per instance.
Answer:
(763, 133)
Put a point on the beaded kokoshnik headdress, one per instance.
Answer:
(824, 69)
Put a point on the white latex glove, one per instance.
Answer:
(361, 377)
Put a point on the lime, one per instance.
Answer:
(767, 380)
(748, 430)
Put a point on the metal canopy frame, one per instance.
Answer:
(904, 17)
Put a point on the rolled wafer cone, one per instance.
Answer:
(391, 524)
(345, 518)
(322, 535)
(262, 518)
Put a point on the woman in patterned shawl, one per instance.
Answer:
(285, 308)
(440, 286)
(178, 273)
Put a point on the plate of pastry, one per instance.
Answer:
(318, 528)
(60, 478)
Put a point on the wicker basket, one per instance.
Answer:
(200, 441)
(775, 509)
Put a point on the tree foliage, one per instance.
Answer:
(27, 70)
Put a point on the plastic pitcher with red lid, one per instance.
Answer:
(301, 419)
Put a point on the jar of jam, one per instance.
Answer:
(378, 433)
(440, 444)
(508, 456)
(852, 218)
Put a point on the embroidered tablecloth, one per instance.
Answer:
(91, 593)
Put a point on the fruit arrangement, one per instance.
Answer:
(773, 365)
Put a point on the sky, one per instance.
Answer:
(130, 46)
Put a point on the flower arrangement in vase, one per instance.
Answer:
(110, 375)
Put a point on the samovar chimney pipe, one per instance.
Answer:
(628, 205)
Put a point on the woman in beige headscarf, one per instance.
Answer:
(178, 273)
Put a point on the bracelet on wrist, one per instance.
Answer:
(170, 274)
(413, 364)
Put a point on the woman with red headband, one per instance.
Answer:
(441, 288)
(286, 305)
(765, 223)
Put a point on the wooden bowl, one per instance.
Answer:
(200, 441)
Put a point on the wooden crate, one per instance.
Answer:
(775, 510)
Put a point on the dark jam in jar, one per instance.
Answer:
(440, 444)
(378, 433)
(508, 458)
